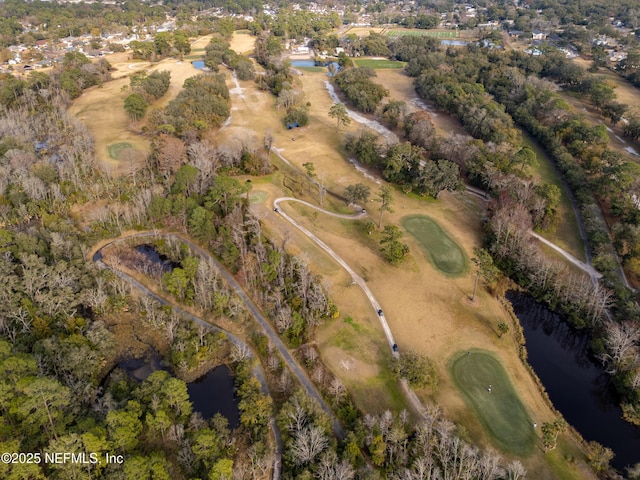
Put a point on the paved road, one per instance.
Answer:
(291, 362)
(357, 279)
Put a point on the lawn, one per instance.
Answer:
(378, 63)
(422, 33)
(445, 254)
(487, 389)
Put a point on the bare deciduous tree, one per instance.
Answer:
(308, 444)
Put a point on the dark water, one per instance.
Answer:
(213, 393)
(210, 394)
(140, 368)
(576, 383)
(157, 259)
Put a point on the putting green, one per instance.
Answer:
(500, 410)
(444, 252)
(115, 148)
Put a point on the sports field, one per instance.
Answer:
(444, 252)
(486, 387)
(422, 33)
(378, 63)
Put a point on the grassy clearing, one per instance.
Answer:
(445, 254)
(116, 148)
(422, 33)
(377, 63)
(487, 388)
(354, 352)
(257, 197)
(242, 41)
(566, 234)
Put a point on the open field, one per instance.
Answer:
(363, 31)
(442, 250)
(401, 32)
(378, 63)
(242, 42)
(487, 388)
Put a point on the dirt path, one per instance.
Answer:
(593, 273)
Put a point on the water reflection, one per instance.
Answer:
(576, 383)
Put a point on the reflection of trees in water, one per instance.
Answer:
(604, 391)
(537, 316)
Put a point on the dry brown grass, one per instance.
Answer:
(427, 311)
(102, 108)
(242, 42)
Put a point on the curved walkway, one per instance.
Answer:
(357, 279)
(593, 273)
(258, 371)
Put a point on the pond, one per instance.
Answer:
(577, 385)
(303, 63)
(198, 64)
(212, 393)
(140, 368)
(155, 258)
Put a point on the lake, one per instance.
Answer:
(576, 383)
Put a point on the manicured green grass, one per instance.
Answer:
(421, 33)
(194, 57)
(500, 411)
(371, 63)
(445, 254)
(116, 148)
